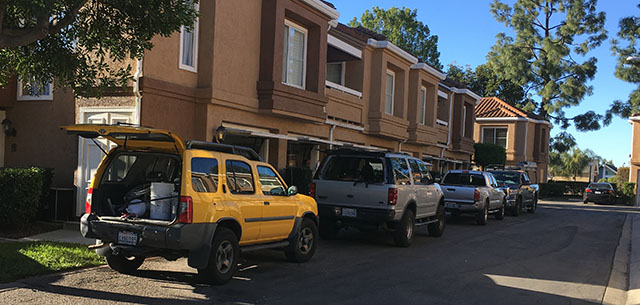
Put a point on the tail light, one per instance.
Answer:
(476, 195)
(185, 210)
(393, 196)
(87, 204)
(312, 190)
(587, 191)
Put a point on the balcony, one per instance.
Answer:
(389, 126)
(423, 134)
(463, 144)
(344, 103)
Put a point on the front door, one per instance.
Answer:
(90, 153)
(280, 210)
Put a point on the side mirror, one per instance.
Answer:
(293, 190)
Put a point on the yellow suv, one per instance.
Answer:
(156, 195)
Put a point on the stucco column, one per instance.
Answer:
(278, 153)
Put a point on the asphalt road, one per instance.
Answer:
(562, 254)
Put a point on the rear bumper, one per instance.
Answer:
(363, 215)
(462, 207)
(599, 198)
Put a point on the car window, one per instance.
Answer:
(400, 171)
(600, 186)
(464, 179)
(506, 177)
(239, 177)
(416, 172)
(354, 168)
(271, 184)
(204, 175)
(426, 174)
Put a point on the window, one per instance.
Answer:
(294, 55)
(423, 104)
(204, 175)
(420, 172)
(34, 90)
(495, 136)
(400, 171)
(353, 168)
(189, 46)
(271, 184)
(388, 101)
(464, 179)
(335, 72)
(239, 177)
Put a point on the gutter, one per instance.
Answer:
(137, 93)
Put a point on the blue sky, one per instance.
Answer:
(466, 32)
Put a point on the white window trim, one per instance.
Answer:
(423, 102)
(304, 31)
(196, 26)
(441, 122)
(494, 134)
(393, 91)
(344, 89)
(464, 120)
(43, 97)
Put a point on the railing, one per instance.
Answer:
(343, 89)
(442, 123)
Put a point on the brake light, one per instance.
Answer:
(185, 210)
(588, 190)
(87, 204)
(393, 196)
(312, 190)
(476, 195)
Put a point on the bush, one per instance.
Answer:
(551, 190)
(486, 154)
(298, 176)
(21, 191)
(622, 176)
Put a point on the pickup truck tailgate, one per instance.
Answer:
(458, 194)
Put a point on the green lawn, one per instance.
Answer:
(23, 259)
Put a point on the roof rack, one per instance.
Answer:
(362, 151)
(225, 148)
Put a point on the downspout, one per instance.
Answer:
(400, 145)
(333, 127)
(526, 131)
(136, 92)
(450, 116)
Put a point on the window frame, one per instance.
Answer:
(284, 185)
(27, 97)
(195, 31)
(423, 105)
(342, 72)
(305, 32)
(393, 90)
(506, 141)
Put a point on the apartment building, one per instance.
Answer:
(524, 136)
(288, 81)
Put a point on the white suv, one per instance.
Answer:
(380, 190)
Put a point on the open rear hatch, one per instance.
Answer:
(140, 181)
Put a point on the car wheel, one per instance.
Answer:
(534, 205)
(306, 242)
(585, 201)
(437, 228)
(517, 208)
(500, 213)
(124, 264)
(223, 260)
(403, 235)
(328, 229)
(483, 216)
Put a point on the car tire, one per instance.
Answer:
(405, 228)
(306, 241)
(534, 205)
(585, 202)
(483, 216)
(223, 260)
(517, 208)
(500, 214)
(124, 264)
(436, 229)
(328, 229)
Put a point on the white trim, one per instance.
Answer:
(467, 92)
(196, 26)
(393, 48)
(494, 134)
(441, 122)
(136, 92)
(393, 91)
(344, 89)
(423, 104)
(464, 120)
(323, 8)
(304, 31)
(43, 97)
(344, 125)
(510, 119)
(336, 42)
(442, 94)
(429, 69)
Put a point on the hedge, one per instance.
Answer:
(561, 188)
(21, 193)
(486, 154)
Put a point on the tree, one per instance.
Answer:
(487, 153)
(571, 163)
(402, 28)
(629, 30)
(485, 82)
(551, 37)
(81, 43)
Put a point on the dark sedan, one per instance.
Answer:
(599, 193)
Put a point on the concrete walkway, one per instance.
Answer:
(63, 235)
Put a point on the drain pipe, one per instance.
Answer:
(136, 92)
(331, 129)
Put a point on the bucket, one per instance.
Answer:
(161, 208)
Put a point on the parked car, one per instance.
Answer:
(473, 192)
(520, 192)
(379, 190)
(156, 195)
(599, 193)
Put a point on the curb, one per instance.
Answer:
(617, 289)
(633, 292)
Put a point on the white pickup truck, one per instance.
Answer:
(473, 192)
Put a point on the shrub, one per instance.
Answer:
(486, 154)
(551, 189)
(622, 176)
(626, 192)
(21, 191)
(298, 176)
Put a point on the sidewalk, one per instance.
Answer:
(624, 281)
(63, 235)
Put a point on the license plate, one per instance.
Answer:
(349, 212)
(598, 192)
(127, 238)
(451, 205)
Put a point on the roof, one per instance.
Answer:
(493, 107)
(611, 167)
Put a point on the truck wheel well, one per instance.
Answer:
(312, 217)
(232, 225)
(412, 206)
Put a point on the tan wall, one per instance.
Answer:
(635, 151)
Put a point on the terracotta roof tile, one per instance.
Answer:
(493, 107)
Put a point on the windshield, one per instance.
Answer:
(464, 179)
(507, 177)
(354, 168)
